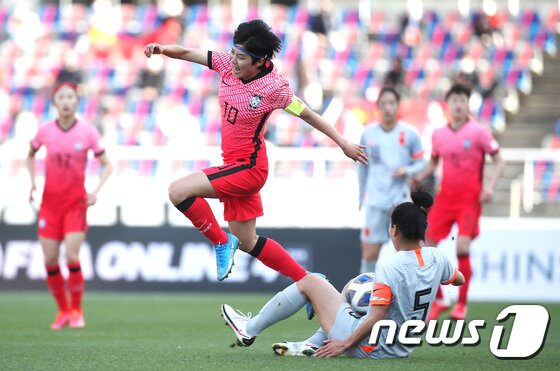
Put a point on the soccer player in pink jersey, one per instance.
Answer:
(250, 89)
(62, 216)
(462, 145)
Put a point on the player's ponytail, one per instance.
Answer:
(410, 218)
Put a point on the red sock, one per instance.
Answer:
(439, 294)
(199, 213)
(271, 254)
(76, 284)
(465, 268)
(55, 282)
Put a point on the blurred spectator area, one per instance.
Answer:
(126, 95)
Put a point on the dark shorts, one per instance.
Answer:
(237, 185)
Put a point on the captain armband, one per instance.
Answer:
(296, 107)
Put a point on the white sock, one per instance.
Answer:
(281, 306)
(318, 338)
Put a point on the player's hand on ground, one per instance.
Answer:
(356, 152)
(91, 199)
(332, 348)
(486, 195)
(152, 48)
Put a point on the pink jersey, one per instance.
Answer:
(462, 152)
(245, 107)
(66, 159)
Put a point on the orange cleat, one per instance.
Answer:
(77, 319)
(61, 320)
(459, 312)
(437, 309)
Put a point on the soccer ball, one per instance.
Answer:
(359, 291)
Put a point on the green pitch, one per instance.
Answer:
(185, 332)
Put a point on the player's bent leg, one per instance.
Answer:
(325, 298)
(246, 232)
(192, 185)
(243, 234)
(76, 284)
(274, 256)
(283, 305)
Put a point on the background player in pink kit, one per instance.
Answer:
(250, 89)
(462, 145)
(62, 216)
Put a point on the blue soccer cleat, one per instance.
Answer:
(309, 311)
(224, 256)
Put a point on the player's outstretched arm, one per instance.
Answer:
(354, 151)
(333, 348)
(178, 52)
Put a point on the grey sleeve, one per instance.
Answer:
(418, 163)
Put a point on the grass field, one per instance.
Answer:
(185, 332)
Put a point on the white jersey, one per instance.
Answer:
(399, 148)
(408, 282)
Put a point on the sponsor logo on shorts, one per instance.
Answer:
(42, 223)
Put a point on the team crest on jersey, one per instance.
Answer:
(255, 101)
(78, 146)
(467, 143)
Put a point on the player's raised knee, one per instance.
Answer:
(176, 193)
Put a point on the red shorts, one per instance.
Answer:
(56, 222)
(237, 185)
(445, 212)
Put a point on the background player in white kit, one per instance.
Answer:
(395, 155)
(405, 288)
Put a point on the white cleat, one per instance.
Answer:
(237, 321)
(294, 349)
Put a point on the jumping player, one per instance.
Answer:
(250, 89)
(462, 145)
(62, 216)
(395, 155)
(405, 287)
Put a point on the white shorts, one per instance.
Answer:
(376, 226)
